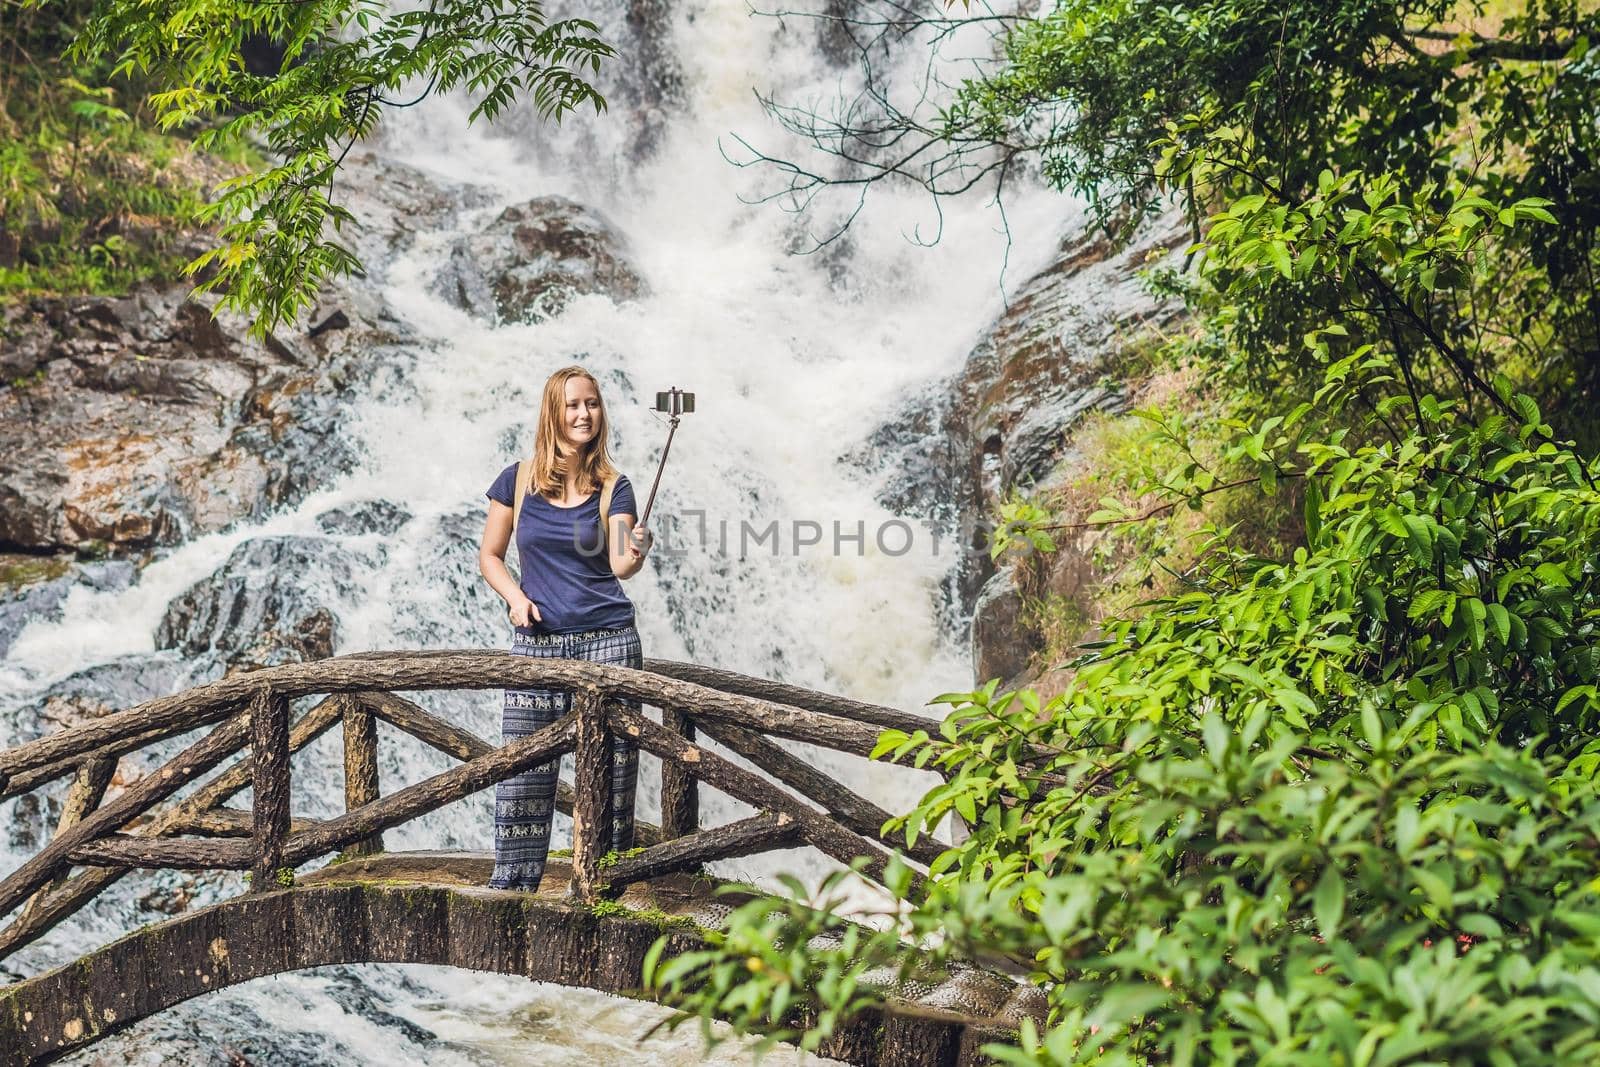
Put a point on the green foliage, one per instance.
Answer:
(344, 62)
(1326, 802)
(1135, 502)
(1224, 898)
(1020, 526)
(92, 198)
(612, 858)
(765, 973)
(112, 90)
(1339, 807)
(1444, 98)
(18, 571)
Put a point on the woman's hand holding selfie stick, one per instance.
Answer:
(639, 541)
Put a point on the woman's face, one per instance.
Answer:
(580, 417)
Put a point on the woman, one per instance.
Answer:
(569, 603)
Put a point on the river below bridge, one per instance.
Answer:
(796, 360)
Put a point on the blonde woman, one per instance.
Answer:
(568, 603)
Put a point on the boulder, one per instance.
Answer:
(1000, 640)
(267, 604)
(366, 517)
(147, 421)
(529, 263)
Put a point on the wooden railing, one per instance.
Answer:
(139, 828)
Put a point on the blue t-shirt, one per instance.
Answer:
(566, 570)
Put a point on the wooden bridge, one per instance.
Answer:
(373, 906)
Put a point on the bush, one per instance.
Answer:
(1340, 808)
(1330, 804)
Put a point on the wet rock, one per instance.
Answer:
(648, 86)
(168, 899)
(529, 263)
(30, 824)
(445, 550)
(90, 694)
(395, 203)
(264, 606)
(22, 602)
(24, 339)
(1002, 421)
(110, 686)
(147, 422)
(367, 517)
(643, 85)
(1001, 645)
(336, 320)
(222, 1030)
(347, 989)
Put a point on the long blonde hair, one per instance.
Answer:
(593, 461)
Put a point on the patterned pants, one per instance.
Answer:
(525, 803)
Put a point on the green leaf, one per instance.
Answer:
(1500, 622)
(1280, 258)
(1327, 902)
(1125, 1002)
(1313, 510)
(1299, 706)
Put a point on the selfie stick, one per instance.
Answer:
(676, 403)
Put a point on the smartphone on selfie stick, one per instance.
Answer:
(674, 403)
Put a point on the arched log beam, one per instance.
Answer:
(758, 833)
(818, 829)
(852, 811)
(188, 765)
(536, 936)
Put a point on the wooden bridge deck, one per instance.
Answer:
(434, 908)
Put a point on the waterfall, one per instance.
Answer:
(795, 360)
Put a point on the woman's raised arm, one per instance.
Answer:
(628, 545)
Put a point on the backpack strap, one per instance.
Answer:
(524, 480)
(605, 509)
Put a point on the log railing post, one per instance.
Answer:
(360, 768)
(591, 789)
(269, 733)
(680, 792)
(84, 795)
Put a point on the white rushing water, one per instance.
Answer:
(795, 360)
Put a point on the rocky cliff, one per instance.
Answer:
(1004, 421)
(136, 422)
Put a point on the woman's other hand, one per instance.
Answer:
(639, 542)
(524, 612)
